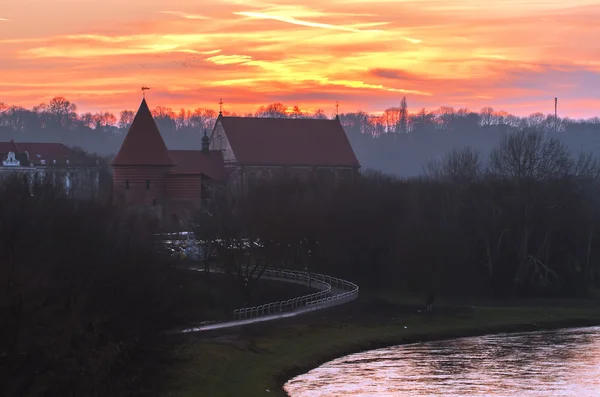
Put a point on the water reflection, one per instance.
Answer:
(561, 363)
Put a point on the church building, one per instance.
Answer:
(173, 184)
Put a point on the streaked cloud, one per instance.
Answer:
(184, 15)
(4, 20)
(295, 21)
(516, 55)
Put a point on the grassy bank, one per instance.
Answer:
(247, 362)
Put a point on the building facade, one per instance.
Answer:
(53, 163)
(240, 151)
(170, 184)
(256, 148)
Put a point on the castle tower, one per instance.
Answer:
(141, 167)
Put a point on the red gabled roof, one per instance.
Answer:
(197, 162)
(282, 141)
(143, 144)
(48, 151)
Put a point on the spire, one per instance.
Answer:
(337, 109)
(205, 143)
(143, 144)
(221, 107)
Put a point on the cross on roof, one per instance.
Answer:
(221, 106)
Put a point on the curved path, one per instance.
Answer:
(332, 292)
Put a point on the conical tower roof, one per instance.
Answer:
(143, 144)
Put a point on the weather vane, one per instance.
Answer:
(144, 89)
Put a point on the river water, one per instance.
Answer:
(560, 363)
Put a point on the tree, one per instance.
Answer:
(126, 119)
(276, 109)
(528, 155)
(458, 167)
(487, 116)
(320, 114)
(296, 113)
(206, 232)
(62, 111)
(102, 120)
(203, 119)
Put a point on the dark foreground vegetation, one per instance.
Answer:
(522, 223)
(87, 303)
(84, 300)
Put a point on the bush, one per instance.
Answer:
(84, 301)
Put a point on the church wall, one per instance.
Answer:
(243, 177)
(184, 195)
(131, 187)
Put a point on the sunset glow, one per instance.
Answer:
(514, 55)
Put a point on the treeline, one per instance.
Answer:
(523, 223)
(397, 141)
(84, 298)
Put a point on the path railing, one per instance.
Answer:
(311, 279)
(333, 291)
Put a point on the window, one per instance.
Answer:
(147, 183)
(127, 184)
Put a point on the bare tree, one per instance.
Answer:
(458, 167)
(126, 118)
(529, 155)
(487, 116)
(63, 112)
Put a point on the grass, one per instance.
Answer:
(248, 362)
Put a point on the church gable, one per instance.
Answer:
(219, 141)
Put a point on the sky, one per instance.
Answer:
(513, 55)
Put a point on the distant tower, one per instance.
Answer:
(555, 114)
(205, 143)
(140, 168)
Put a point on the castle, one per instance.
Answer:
(239, 151)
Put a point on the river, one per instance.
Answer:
(559, 363)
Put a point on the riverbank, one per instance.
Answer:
(263, 357)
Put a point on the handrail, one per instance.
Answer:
(314, 279)
(333, 291)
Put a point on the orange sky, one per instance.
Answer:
(515, 55)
